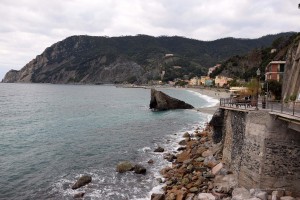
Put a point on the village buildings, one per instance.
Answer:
(275, 71)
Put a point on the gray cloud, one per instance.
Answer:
(27, 27)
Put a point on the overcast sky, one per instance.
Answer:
(27, 27)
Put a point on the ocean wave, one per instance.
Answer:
(210, 100)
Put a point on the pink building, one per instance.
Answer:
(275, 70)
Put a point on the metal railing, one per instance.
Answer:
(290, 108)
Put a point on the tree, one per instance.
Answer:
(275, 87)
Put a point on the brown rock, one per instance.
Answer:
(171, 196)
(185, 155)
(207, 153)
(216, 169)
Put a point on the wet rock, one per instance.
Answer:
(139, 169)
(157, 196)
(169, 157)
(159, 149)
(181, 148)
(79, 195)
(150, 161)
(159, 180)
(182, 142)
(124, 167)
(82, 181)
(186, 135)
(205, 196)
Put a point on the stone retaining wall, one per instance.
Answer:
(261, 150)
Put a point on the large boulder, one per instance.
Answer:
(82, 181)
(124, 167)
(161, 101)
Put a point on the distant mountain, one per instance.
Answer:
(132, 59)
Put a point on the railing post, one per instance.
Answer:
(293, 108)
(272, 106)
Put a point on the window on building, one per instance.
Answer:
(281, 68)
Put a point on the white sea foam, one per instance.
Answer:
(145, 149)
(211, 101)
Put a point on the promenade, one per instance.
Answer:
(291, 108)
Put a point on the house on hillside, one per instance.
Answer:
(194, 81)
(275, 70)
(221, 81)
(211, 69)
(203, 79)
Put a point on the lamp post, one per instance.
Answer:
(258, 74)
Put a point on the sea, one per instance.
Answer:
(50, 135)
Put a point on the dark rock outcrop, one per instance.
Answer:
(82, 181)
(160, 101)
(217, 124)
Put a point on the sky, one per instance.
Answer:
(28, 27)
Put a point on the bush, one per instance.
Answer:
(293, 97)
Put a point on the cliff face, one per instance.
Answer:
(77, 60)
(291, 79)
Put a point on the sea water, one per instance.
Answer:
(50, 135)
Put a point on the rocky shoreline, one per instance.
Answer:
(197, 173)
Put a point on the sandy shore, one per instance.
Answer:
(213, 93)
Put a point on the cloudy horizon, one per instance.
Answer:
(28, 27)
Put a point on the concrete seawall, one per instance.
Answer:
(262, 150)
